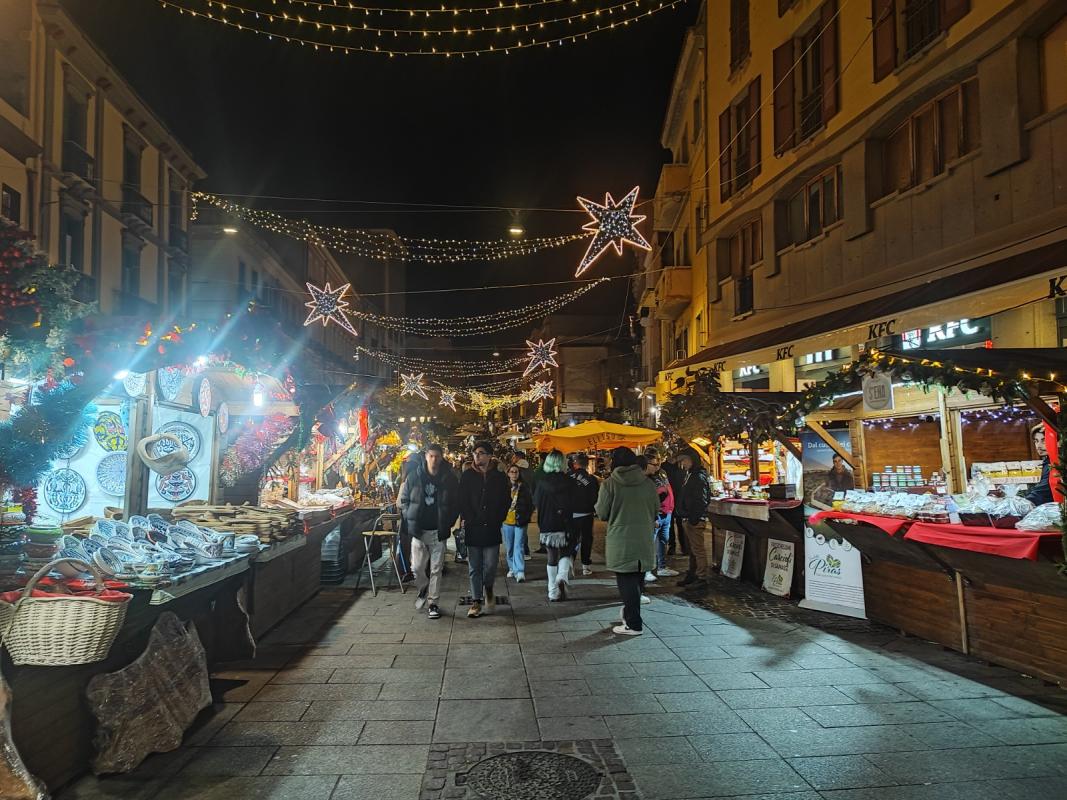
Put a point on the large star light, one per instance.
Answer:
(448, 398)
(542, 390)
(613, 224)
(326, 304)
(541, 354)
(412, 384)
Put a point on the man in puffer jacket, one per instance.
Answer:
(484, 499)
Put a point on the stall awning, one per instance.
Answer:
(595, 435)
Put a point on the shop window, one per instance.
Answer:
(175, 290)
(903, 28)
(815, 207)
(739, 142)
(1054, 67)
(805, 79)
(72, 241)
(10, 204)
(934, 136)
(131, 164)
(746, 248)
(739, 41)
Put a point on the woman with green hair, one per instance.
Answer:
(554, 500)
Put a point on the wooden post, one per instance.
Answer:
(753, 455)
(859, 452)
(783, 440)
(964, 642)
(945, 440)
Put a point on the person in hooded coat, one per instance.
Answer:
(628, 502)
(554, 501)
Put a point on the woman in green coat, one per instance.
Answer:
(628, 502)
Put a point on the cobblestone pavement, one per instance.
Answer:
(738, 695)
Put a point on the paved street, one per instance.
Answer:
(362, 697)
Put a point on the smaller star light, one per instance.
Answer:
(541, 354)
(326, 304)
(412, 384)
(542, 390)
(448, 398)
(613, 225)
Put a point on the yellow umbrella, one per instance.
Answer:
(595, 435)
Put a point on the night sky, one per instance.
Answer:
(532, 129)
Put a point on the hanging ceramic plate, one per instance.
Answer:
(170, 381)
(111, 474)
(177, 486)
(69, 451)
(223, 418)
(204, 397)
(135, 383)
(189, 436)
(109, 431)
(64, 490)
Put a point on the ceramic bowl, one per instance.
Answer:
(108, 562)
(43, 536)
(69, 570)
(105, 527)
(122, 530)
(137, 521)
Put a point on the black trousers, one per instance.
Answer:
(584, 529)
(630, 590)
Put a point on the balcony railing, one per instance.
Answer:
(135, 203)
(811, 112)
(922, 24)
(132, 305)
(178, 238)
(77, 161)
(86, 289)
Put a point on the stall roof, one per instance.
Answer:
(1009, 360)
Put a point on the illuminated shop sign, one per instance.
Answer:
(957, 333)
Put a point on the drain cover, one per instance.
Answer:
(532, 775)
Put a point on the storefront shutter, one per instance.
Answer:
(752, 131)
(725, 176)
(784, 110)
(952, 11)
(885, 37)
(828, 53)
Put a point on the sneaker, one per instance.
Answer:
(586, 571)
(698, 584)
(420, 601)
(433, 612)
(409, 577)
(520, 578)
(461, 559)
(475, 610)
(650, 577)
(625, 630)
(687, 579)
(645, 599)
(510, 574)
(526, 557)
(666, 572)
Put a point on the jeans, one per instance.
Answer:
(514, 539)
(584, 526)
(425, 549)
(661, 534)
(698, 555)
(482, 569)
(629, 584)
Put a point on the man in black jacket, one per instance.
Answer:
(587, 490)
(676, 477)
(484, 499)
(428, 501)
(691, 506)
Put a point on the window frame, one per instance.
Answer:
(816, 182)
(11, 203)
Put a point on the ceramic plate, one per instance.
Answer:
(223, 418)
(64, 490)
(111, 474)
(135, 383)
(177, 486)
(189, 436)
(204, 397)
(109, 431)
(170, 380)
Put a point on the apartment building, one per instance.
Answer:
(88, 168)
(878, 171)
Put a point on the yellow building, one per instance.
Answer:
(896, 179)
(88, 168)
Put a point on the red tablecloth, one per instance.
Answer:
(1004, 542)
(891, 525)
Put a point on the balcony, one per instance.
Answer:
(922, 24)
(132, 305)
(79, 169)
(671, 191)
(136, 209)
(86, 290)
(674, 291)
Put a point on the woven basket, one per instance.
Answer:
(62, 630)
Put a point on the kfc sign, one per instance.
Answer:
(948, 334)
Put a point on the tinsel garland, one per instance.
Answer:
(253, 448)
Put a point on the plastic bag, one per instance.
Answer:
(1045, 517)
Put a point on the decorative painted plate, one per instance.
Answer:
(189, 436)
(170, 380)
(69, 451)
(223, 418)
(64, 490)
(109, 431)
(177, 486)
(203, 396)
(111, 474)
(135, 383)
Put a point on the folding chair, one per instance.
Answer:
(390, 544)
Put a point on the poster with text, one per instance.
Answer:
(733, 554)
(778, 574)
(833, 575)
(825, 472)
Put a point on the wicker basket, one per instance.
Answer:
(62, 630)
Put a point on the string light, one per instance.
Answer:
(412, 384)
(541, 355)
(491, 39)
(326, 304)
(444, 368)
(613, 225)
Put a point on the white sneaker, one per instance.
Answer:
(520, 578)
(649, 577)
(586, 571)
(511, 574)
(645, 600)
(666, 572)
(624, 630)
(527, 557)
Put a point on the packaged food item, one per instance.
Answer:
(1045, 517)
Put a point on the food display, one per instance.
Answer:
(897, 477)
(1046, 517)
(990, 510)
(1007, 472)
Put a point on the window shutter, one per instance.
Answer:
(952, 11)
(725, 176)
(885, 37)
(828, 53)
(784, 102)
(752, 130)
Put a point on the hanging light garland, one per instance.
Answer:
(448, 399)
(443, 36)
(445, 368)
(326, 304)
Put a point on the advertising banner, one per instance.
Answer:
(733, 554)
(778, 575)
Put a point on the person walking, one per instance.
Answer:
(483, 503)
(427, 501)
(527, 478)
(629, 503)
(554, 500)
(662, 533)
(692, 507)
(588, 488)
(515, 521)
(676, 477)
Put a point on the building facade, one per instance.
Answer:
(88, 168)
(885, 171)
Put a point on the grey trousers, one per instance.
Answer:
(481, 563)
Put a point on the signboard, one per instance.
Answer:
(948, 334)
(733, 554)
(878, 392)
(833, 575)
(778, 575)
(576, 408)
(824, 475)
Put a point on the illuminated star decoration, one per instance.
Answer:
(542, 390)
(541, 355)
(326, 304)
(613, 225)
(412, 384)
(448, 398)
